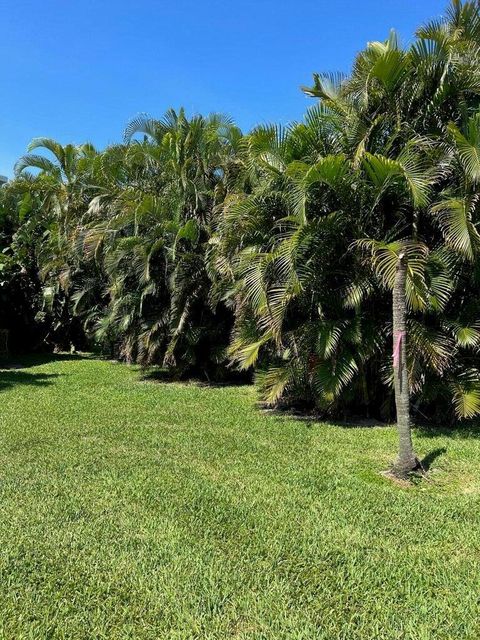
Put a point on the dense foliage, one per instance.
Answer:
(202, 249)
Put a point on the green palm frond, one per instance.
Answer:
(384, 258)
(465, 390)
(467, 144)
(455, 220)
(440, 282)
(36, 162)
(267, 145)
(329, 377)
(274, 382)
(326, 86)
(246, 355)
(330, 170)
(51, 145)
(329, 336)
(466, 335)
(435, 347)
(145, 124)
(409, 170)
(357, 291)
(391, 66)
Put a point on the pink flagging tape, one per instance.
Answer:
(398, 336)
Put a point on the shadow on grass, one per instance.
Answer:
(315, 418)
(463, 431)
(430, 458)
(164, 376)
(12, 369)
(14, 378)
(25, 361)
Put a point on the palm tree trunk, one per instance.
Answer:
(406, 461)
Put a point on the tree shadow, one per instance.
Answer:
(25, 361)
(463, 431)
(165, 377)
(14, 377)
(312, 418)
(430, 458)
(460, 431)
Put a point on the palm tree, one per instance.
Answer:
(61, 190)
(407, 460)
(378, 139)
(300, 252)
(395, 110)
(150, 226)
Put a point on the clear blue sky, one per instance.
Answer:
(78, 70)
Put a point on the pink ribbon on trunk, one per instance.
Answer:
(397, 342)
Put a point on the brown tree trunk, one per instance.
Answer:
(406, 461)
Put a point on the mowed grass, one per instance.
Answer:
(133, 509)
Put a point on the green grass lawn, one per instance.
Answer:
(133, 509)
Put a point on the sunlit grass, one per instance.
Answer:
(133, 509)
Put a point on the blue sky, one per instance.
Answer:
(78, 70)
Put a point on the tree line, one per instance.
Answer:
(209, 251)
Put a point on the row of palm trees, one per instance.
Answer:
(302, 252)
